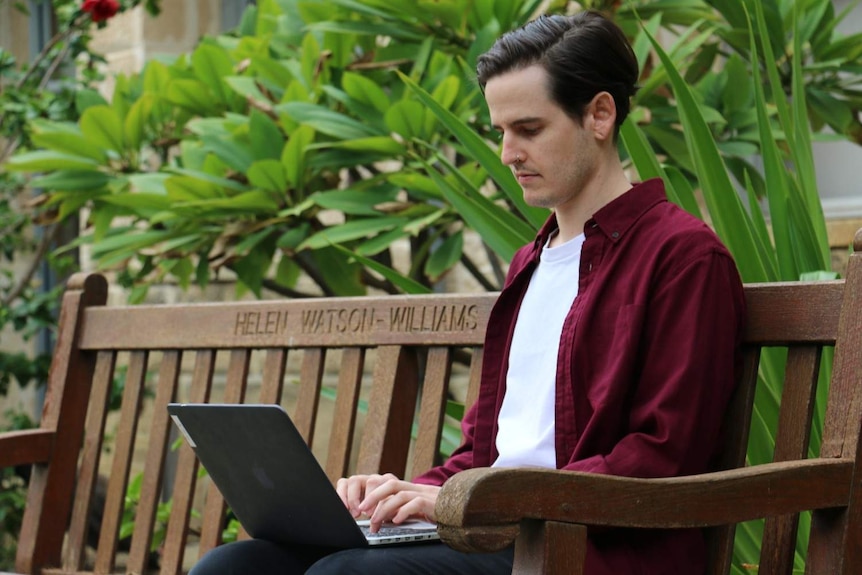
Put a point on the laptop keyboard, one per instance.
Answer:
(388, 531)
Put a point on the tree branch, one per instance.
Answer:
(477, 273)
(41, 250)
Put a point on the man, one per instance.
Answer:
(614, 343)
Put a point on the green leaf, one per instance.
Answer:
(287, 272)
(359, 202)
(252, 269)
(293, 156)
(102, 126)
(268, 175)
(149, 183)
(188, 188)
(482, 216)
(367, 29)
(127, 242)
(379, 144)
(71, 141)
(267, 140)
(352, 230)
(803, 155)
(246, 87)
(72, 180)
(365, 90)
(406, 284)
(445, 256)
(342, 275)
(46, 161)
(253, 202)
(236, 154)
(211, 64)
(725, 208)
(406, 118)
(417, 185)
(193, 95)
(144, 205)
(327, 121)
(446, 93)
(380, 242)
(137, 120)
(777, 186)
(479, 149)
(87, 98)
(225, 184)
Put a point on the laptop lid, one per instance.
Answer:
(269, 477)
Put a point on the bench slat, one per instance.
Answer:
(96, 418)
(26, 446)
(186, 476)
(273, 375)
(123, 450)
(391, 406)
(310, 379)
(344, 415)
(213, 518)
(801, 312)
(325, 322)
(151, 488)
(791, 442)
(432, 409)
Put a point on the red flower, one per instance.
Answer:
(101, 10)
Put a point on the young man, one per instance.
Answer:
(614, 343)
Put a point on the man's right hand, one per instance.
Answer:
(386, 498)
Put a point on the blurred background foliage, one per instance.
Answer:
(333, 146)
(305, 143)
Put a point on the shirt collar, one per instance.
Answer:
(616, 217)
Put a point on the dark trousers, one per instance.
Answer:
(258, 557)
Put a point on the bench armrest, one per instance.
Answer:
(25, 447)
(481, 509)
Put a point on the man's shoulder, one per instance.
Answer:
(667, 223)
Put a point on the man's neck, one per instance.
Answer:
(606, 186)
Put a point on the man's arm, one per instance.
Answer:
(690, 336)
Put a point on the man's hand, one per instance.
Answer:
(386, 498)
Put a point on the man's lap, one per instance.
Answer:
(265, 558)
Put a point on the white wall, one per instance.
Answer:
(838, 163)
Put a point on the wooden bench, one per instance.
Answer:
(412, 346)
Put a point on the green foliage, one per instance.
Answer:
(13, 497)
(264, 150)
(354, 123)
(45, 89)
(130, 509)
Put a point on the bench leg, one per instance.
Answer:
(550, 548)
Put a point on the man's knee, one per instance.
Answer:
(255, 556)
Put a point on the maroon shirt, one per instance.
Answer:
(645, 368)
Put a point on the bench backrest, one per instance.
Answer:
(411, 346)
(789, 329)
(263, 352)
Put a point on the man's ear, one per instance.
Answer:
(603, 111)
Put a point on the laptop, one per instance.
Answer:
(272, 481)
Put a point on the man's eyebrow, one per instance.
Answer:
(520, 122)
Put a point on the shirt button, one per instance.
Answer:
(615, 235)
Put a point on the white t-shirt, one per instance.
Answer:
(525, 435)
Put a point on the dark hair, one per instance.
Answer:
(583, 55)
